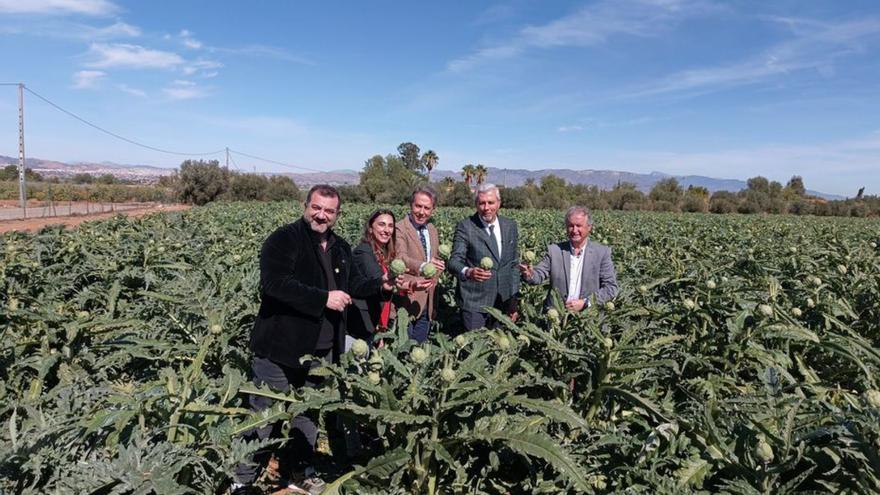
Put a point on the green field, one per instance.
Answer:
(741, 356)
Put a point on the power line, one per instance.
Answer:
(153, 148)
(234, 165)
(268, 160)
(117, 136)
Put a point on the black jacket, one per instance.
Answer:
(294, 294)
(367, 293)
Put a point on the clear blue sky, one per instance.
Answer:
(724, 89)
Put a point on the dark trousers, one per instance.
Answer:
(418, 329)
(300, 447)
(472, 320)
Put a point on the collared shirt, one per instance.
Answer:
(427, 234)
(575, 270)
(496, 225)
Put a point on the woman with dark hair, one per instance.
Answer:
(373, 308)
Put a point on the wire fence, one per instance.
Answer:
(50, 209)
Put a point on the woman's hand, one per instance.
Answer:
(389, 284)
(421, 284)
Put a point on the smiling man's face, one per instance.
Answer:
(321, 212)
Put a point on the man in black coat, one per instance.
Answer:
(304, 271)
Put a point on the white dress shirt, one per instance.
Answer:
(575, 270)
(496, 225)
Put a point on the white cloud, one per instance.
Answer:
(118, 29)
(132, 91)
(592, 25)
(87, 79)
(205, 68)
(189, 41)
(570, 128)
(131, 56)
(58, 7)
(66, 30)
(184, 90)
(605, 124)
(265, 52)
(816, 47)
(484, 55)
(495, 13)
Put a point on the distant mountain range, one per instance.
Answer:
(604, 179)
(144, 174)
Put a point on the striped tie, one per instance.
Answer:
(423, 238)
(494, 238)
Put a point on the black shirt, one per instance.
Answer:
(331, 319)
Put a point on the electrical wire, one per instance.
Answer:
(234, 165)
(153, 148)
(268, 160)
(117, 136)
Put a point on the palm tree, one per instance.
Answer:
(480, 173)
(448, 184)
(430, 159)
(467, 173)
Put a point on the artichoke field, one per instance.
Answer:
(741, 356)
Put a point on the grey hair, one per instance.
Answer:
(578, 210)
(427, 191)
(485, 188)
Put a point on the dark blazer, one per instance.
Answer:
(367, 294)
(471, 244)
(294, 294)
(597, 277)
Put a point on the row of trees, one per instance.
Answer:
(760, 196)
(10, 173)
(199, 182)
(96, 193)
(80, 187)
(388, 179)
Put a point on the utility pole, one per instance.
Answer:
(227, 158)
(22, 195)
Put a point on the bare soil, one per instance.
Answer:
(34, 224)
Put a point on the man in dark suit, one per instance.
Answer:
(485, 235)
(577, 268)
(417, 244)
(304, 271)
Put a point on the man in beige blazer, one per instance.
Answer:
(416, 243)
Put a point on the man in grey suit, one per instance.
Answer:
(485, 235)
(577, 268)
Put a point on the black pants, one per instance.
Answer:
(300, 447)
(472, 320)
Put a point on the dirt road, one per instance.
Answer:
(34, 224)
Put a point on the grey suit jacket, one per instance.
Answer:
(597, 277)
(469, 245)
